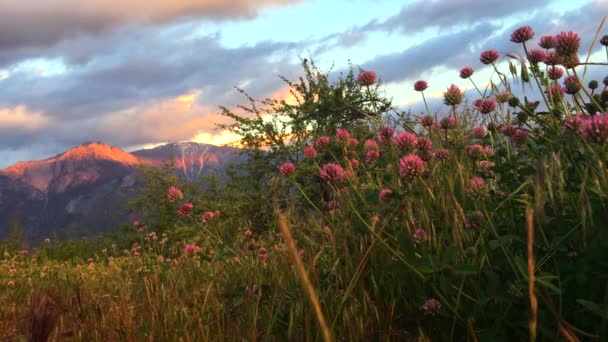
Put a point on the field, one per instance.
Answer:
(485, 220)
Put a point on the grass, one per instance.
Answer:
(487, 226)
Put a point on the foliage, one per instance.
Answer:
(489, 223)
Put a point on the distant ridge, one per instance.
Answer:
(85, 189)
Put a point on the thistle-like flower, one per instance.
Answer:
(489, 56)
(431, 307)
(287, 169)
(310, 152)
(332, 173)
(322, 142)
(555, 72)
(174, 194)
(411, 166)
(486, 106)
(536, 56)
(185, 209)
(478, 189)
(567, 43)
(420, 85)
(466, 72)
(572, 85)
(546, 42)
(595, 128)
(522, 34)
(452, 96)
(406, 141)
(366, 78)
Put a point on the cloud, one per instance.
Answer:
(19, 119)
(46, 22)
(423, 14)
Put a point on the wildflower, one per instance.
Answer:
(366, 78)
(431, 307)
(385, 194)
(248, 233)
(488, 56)
(555, 73)
(386, 135)
(522, 34)
(520, 136)
(508, 130)
(191, 249)
(332, 173)
(486, 106)
(208, 215)
(452, 96)
(47, 241)
(475, 151)
(503, 96)
(480, 132)
(173, 195)
(546, 42)
(406, 141)
(411, 166)
(160, 258)
(420, 235)
(425, 144)
(421, 85)
(466, 72)
(536, 56)
(354, 163)
(485, 166)
(567, 43)
(342, 135)
(556, 92)
(593, 85)
(310, 152)
(448, 123)
(552, 58)
(322, 142)
(352, 142)
(371, 145)
(488, 151)
(475, 220)
(24, 252)
(236, 260)
(572, 85)
(427, 121)
(571, 61)
(442, 154)
(477, 189)
(185, 209)
(287, 169)
(371, 157)
(595, 128)
(10, 283)
(572, 124)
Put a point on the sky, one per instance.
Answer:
(135, 74)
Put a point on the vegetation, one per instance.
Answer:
(352, 220)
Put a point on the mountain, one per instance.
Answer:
(191, 159)
(85, 190)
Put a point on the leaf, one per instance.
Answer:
(405, 243)
(466, 269)
(449, 255)
(593, 308)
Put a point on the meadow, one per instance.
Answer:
(483, 220)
